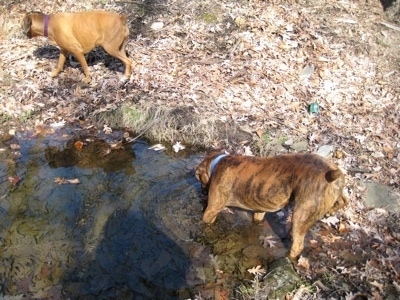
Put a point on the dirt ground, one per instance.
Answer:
(241, 75)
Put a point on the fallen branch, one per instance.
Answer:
(358, 170)
(391, 26)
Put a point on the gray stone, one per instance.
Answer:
(288, 142)
(381, 196)
(300, 146)
(325, 150)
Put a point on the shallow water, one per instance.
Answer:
(130, 228)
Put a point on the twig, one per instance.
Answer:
(358, 170)
(391, 26)
(143, 132)
(15, 59)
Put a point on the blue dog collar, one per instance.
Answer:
(215, 162)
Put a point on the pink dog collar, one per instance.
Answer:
(46, 26)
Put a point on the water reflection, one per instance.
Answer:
(104, 237)
(90, 152)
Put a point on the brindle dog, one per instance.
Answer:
(268, 184)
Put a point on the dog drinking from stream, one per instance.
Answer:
(313, 183)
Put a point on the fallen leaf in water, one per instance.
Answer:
(268, 241)
(60, 180)
(73, 181)
(116, 146)
(178, 147)
(14, 180)
(78, 145)
(157, 147)
(257, 271)
(107, 129)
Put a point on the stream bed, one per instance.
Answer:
(91, 216)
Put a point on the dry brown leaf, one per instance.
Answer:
(303, 262)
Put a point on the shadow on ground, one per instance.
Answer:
(127, 266)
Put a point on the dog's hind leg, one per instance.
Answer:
(120, 54)
(117, 49)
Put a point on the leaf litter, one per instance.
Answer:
(257, 64)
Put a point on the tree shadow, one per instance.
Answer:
(387, 3)
(138, 11)
(134, 260)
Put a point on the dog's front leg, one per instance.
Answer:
(215, 204)
(258, 217)
(82, 60)
(302, 220)
(60, 64)
(79, 55)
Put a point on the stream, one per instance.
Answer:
(87, 216)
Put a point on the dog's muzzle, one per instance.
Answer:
(204, 190)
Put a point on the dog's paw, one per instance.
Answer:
(123, 79)
(55, 72)
(87, 80)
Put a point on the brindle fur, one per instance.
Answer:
(267, 184)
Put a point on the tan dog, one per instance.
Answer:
(268, 184)
(79, 33)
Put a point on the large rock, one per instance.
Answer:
(381, 196)
(280, 280)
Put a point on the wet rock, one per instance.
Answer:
(381, 196)
(280, 280)
(254, 251)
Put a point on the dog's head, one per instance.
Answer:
(27, 22)
(204, 169)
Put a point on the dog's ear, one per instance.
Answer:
(26, 25)
(332, 175)
(202, 174)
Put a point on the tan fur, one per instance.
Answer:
(267, 184)
(79, 33)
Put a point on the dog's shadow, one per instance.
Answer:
(94, 57)
(280, 224)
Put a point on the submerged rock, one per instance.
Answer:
(280, 280)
